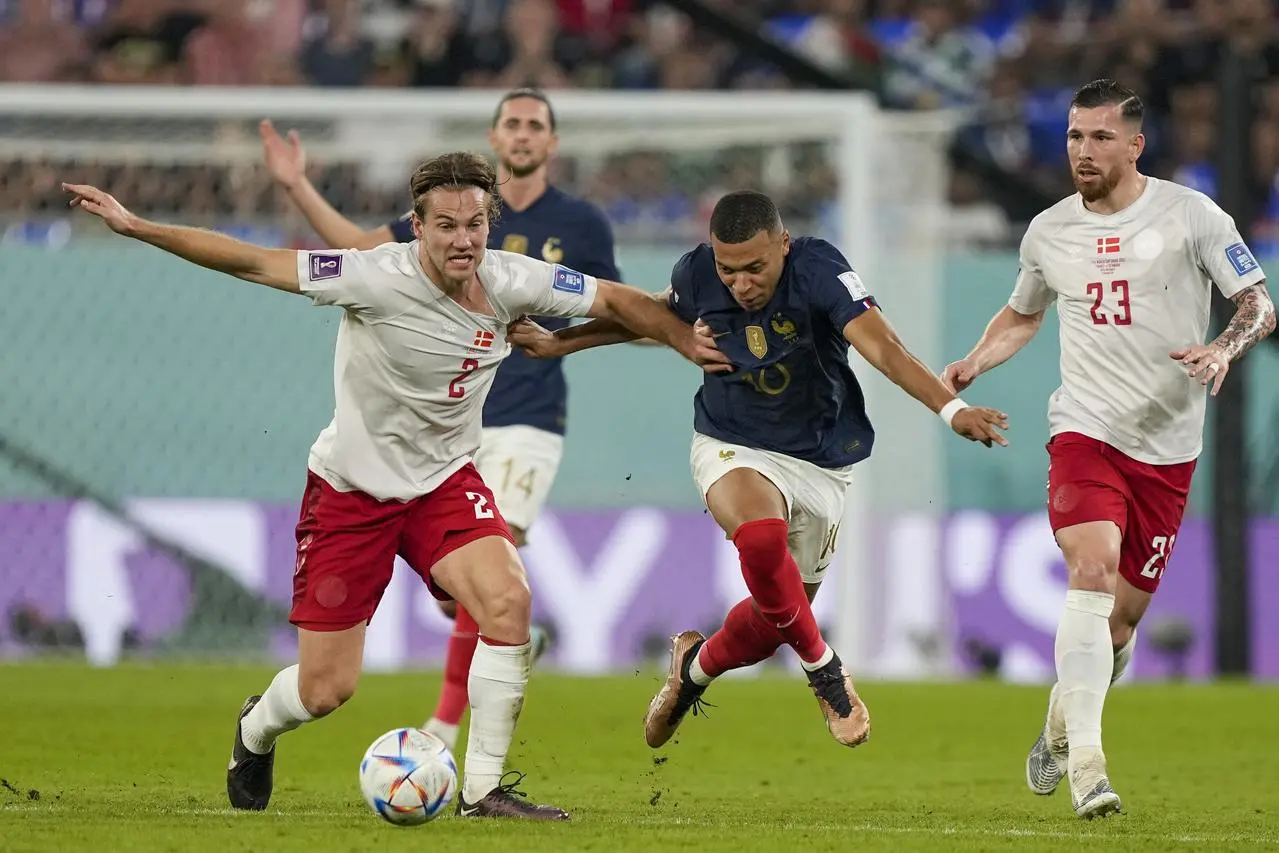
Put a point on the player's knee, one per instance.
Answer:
(325, 690)
(762, 542)
(1093, 569)
(507, 613)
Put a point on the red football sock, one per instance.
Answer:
(746, 639)
(774, 582)
(457, 668)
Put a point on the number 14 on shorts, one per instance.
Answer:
(1162, 547)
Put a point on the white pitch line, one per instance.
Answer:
(700, 823)
(1239, 838)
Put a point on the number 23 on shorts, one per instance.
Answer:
(1162, 547)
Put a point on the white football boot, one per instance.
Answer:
(1046, 763)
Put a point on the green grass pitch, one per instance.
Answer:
(133, 758)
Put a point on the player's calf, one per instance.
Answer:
(261, 721)
(487, 579)
(325, 676)
(1046, 762)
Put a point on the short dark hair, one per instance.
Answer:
(742, 214)
(455, 170)
(525, 92)
(1106, 92)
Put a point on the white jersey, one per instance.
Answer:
(412, 367)
(1132, 287)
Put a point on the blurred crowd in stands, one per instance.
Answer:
(1010, 65)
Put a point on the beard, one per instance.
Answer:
(523, 170)
(1098, 186)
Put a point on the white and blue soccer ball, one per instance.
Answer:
(408, 776)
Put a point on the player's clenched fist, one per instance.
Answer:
(958, 375)
(102, 205)
(534, 340)
(977, 423)
(699, 347)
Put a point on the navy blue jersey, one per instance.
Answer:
(792, 390)
(558, 229)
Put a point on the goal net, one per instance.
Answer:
(157, 417)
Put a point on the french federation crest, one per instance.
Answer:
(551, 251)
(756, 342)
(784, 327)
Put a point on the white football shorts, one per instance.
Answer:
(519, 463)
(814, 496)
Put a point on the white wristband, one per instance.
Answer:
(948, 411)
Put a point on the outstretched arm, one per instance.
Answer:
(536, 341)
(286, 160)
(276, 268)
(877, 342)
(1007, 332)
(634, 313)
(597, 333)
(541, 343)
(1253, 320)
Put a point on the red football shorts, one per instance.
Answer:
(1088, 480)
(348, 541)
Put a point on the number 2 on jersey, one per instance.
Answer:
(469, 366)
(1097, 290)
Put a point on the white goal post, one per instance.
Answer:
(886, 212)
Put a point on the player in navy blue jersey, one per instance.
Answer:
(524, 416)
(775, 438)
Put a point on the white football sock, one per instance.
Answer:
(499, 675)
(446, 732)
(279, 710)
(1056, 728)
(820, 662)
(1123, 657)
(695, 672)
(1085, 662)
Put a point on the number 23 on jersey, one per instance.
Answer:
(1118, 290)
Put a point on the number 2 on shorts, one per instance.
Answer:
(481, 505)
(1159, 560)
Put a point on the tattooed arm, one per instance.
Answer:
(1254, 319)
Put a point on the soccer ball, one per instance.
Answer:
(408, 776)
